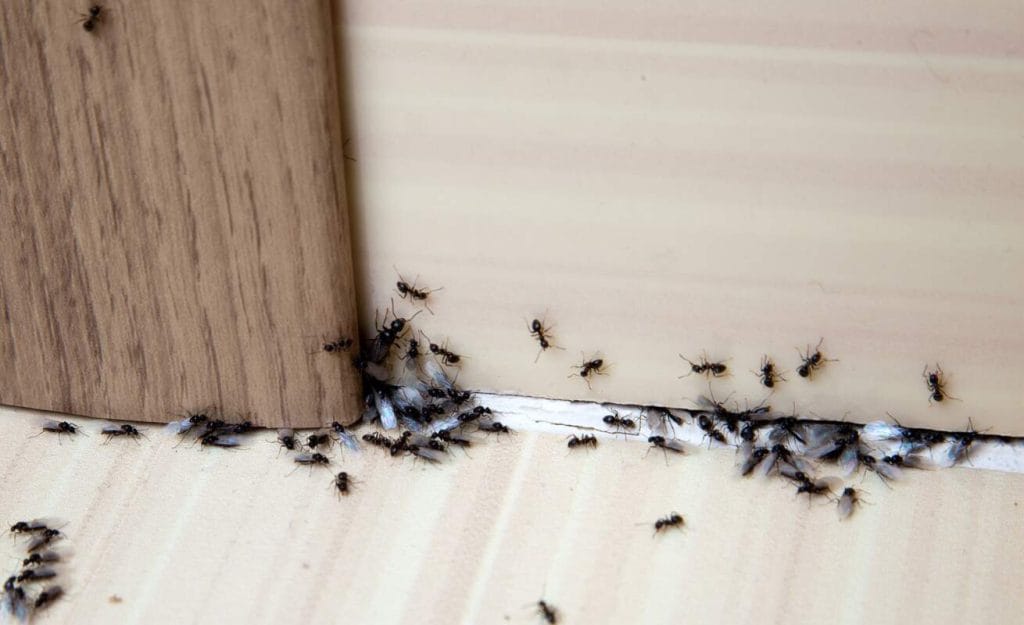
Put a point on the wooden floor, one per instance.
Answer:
(184, 535)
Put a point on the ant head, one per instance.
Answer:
(536, 326)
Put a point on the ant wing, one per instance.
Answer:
(789, 471)
(379, 349)
(227, 441)
(750, 459)
(446, 424)
(436, 374)
(349, 441)
(428, 454)
(888, 471)
(818, 437)
(385, 410)
(832, 483)
(406, 396)
(878, 431)
(849, 459)
(917, 460)
(845, 505)
(675, 445)
(178, 427)
(823, 449)
(657, 423)
(13, 608)
(957, 452)
(47, 522)
(768, 464)
(410, 424)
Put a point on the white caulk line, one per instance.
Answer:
(534, 414)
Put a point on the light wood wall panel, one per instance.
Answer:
(667, 177)
(173, 226)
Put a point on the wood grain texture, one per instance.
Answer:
(174, 227)
(214, 536)
(663, 178)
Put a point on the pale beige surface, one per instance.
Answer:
(190, 536)
(665, 177)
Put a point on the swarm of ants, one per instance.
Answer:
(31, 590)
(421, 413)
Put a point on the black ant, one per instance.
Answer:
(589, 368)
(43, 539)
(543, 336)
(960, 445)
(495, 427)
(400, 444)
(458, 397)
(125, 429)
(341, 483)
(755, 457)
(217, 439)
(60, 427)
(31, 575)
(786, 427)
(705, 367)
(673, 520)
(847, 502)
(41, 558)
(240, 428)
(548, 612)
(388, 334)
(28, 527)
(811, 362)
(90, 20)
(448, 437)
(48, 596)
(748, 432)
(809, 486)
(378, 440)
(582, 441)
(936, 383)
(768, 372)
(316, 440)
(412, 355)
(409, 290)
(710, 431)
(337, 346)
(312, 459)
(658, 419)
(447, 357)
(286, 437)
(621, 423)
(666, 444)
